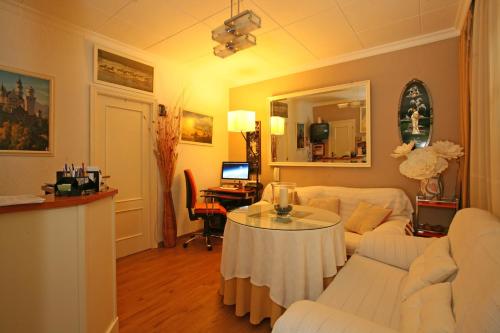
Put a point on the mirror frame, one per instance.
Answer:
(368, 163)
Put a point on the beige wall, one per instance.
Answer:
(436, 64)
(38, 45)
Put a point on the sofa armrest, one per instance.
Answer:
(312, 317)
(394, 226)
(395, 250)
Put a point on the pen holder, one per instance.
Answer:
(74, 186)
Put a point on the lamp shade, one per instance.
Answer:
(277, 125)
(241, 121)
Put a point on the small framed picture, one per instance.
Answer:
(26, 113)
(318, 149)
(197, 128)
(300, 136)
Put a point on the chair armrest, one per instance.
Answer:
(312, 317)
(393, 226)
(395, 250)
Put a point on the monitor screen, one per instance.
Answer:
(235, 171)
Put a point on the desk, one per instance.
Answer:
(233, 197)
(268, 262)
(57, 270)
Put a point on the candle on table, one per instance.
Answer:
(283, 202)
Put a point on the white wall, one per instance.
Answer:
(298, 112)
(38, 44)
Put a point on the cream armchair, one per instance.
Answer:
(367, 294)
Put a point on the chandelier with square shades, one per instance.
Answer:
(234, 35)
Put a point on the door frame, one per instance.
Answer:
(95, 91)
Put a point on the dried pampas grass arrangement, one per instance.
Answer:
(167, 139)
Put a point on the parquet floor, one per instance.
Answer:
(176, 290)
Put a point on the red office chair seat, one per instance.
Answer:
(209, 208)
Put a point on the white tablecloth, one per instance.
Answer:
(291, 263)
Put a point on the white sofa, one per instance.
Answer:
(365, 295)
(349, 197)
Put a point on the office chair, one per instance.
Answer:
(209, 211)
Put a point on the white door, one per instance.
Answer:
(121, 147)
(342, 137)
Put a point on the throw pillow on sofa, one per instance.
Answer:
(433, 266)
(428, 310)
(329, 203)
(366, 217)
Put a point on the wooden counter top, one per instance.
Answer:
(52, 201)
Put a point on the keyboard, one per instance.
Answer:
(228, 187)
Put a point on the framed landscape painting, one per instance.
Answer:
(196, 128)
(26, 113)
(120, 71)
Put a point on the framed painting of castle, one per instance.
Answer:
(26, 113)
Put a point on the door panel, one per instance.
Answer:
(342, 137)
(122, 150)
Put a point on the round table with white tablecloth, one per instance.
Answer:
(269, 262)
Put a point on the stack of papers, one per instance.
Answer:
(9, 200)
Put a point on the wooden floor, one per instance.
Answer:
(176, 290)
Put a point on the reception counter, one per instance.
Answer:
(57, 265)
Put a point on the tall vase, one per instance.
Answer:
(169, 220)
(432, 188)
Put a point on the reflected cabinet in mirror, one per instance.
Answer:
(322, 127)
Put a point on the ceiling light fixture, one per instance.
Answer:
(234, 35)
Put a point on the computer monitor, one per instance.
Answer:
(232, 171)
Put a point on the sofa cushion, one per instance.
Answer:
(396, 250)
(367, 288)
(352, 242)
(475, 246)
(393, 198)
(329, 203)
(428, 310)
(312, 317)
(366, 217)
(433, 266)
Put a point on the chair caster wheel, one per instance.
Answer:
(209, 247)
(184, 245)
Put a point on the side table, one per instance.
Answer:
(433, 216)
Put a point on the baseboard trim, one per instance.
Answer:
(113, 328)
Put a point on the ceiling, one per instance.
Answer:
(294, 33)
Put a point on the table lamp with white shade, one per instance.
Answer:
(244, 121)
(277, 128)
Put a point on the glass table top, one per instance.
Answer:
(300, 218)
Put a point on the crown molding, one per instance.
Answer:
(34, 15)
(22, 10)
(364, 53)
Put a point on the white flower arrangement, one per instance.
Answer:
(426, 162)
(447, 149)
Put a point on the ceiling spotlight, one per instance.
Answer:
(234, 35)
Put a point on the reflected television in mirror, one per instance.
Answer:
(336, 130)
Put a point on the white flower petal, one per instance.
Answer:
(447, 149)
(403, 150)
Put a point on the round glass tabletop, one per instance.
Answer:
(300, 218)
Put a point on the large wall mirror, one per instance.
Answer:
(322, 127)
